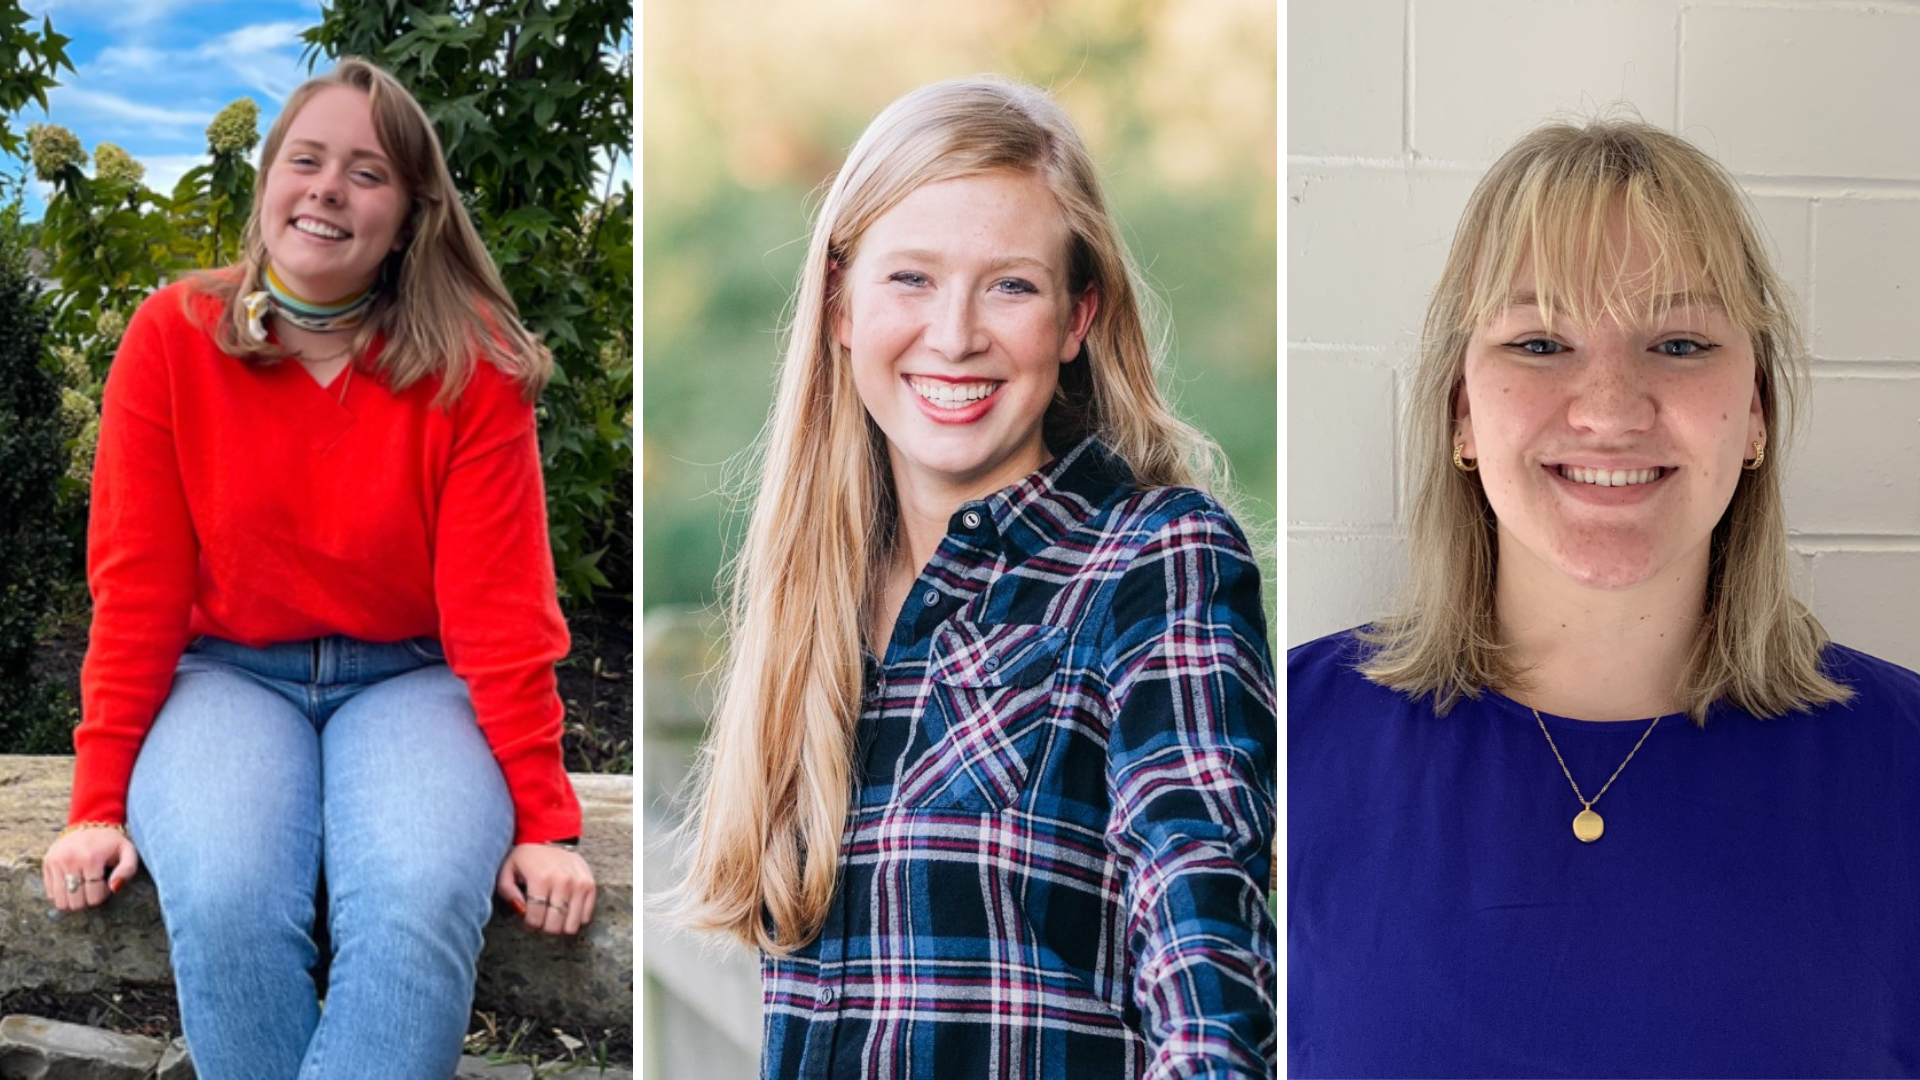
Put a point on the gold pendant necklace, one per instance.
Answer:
(1588, 825)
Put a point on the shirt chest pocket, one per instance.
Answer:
(990, 693)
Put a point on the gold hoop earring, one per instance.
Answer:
(1458, 463)
(1759, 455)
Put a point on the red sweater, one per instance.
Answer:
(247, 502)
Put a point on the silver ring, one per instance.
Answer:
(73, 883)
(95, 880)
(560, 907)
(532, 900)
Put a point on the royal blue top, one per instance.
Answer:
(1753, 908)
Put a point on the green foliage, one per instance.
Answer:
(110, 237)
(211, 201)
(33, 459)
(534, 102)
(29, 63)
(111, 241)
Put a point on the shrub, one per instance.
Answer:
(33, 459)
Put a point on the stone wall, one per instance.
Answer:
(586, 980)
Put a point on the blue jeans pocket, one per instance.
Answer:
(427, 649)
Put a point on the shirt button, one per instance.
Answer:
(971, 519)
(930, 597)
(826, 995)
(991, 663)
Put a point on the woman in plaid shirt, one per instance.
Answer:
(991, 781)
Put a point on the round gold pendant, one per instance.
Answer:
(1588, 826)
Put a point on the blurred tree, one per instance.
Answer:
(534, 103)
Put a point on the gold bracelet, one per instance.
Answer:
(78, 825)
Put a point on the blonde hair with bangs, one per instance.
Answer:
(441, 303)
(1553, 204)
(774, 778)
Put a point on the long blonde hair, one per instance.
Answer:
(774, 779)
(1548, 203)
(441, 300)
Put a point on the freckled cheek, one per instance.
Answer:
(1026, 334)
(880, 333)
(1719, 418)
(1508, 419)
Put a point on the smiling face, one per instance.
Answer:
(333, 208)
(957, 313)
(1610, 446)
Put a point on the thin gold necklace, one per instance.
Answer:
(346, 379)
(1587, 825)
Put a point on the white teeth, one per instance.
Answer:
(1611, 477)
(952, 395)
(317, 228)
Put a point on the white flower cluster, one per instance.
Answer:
(236, 130)
(53, 149)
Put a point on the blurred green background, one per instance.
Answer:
(749, 109)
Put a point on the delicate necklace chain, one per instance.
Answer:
(346, 380)
(1588, 825)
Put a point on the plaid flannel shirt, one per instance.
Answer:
(1057, 854)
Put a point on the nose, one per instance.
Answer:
(326, 186)
(955, 330)
(1611, 395)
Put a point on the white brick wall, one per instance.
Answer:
(1395, 108)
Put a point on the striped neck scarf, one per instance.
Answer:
(344, 314)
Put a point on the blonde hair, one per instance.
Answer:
(774, 779)
(1552, 203)
(441, 300)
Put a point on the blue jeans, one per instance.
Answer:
(266, 766)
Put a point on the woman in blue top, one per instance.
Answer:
(990, 779)
(1602, 799)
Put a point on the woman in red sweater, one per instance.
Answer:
(324, 614)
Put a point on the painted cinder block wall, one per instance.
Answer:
(1396, 107)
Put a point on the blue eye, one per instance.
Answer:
(908, 277)
(1540, 346)
(1684, 347)
(1015, 286)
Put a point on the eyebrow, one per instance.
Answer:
(1530, 298)
(317, 145)
(1003, 263)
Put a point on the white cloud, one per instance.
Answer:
(129, 59)
(165, 170)
(114, 107)
(262, 37)
(266, 56)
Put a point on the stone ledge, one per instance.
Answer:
(36, 1049)
(586, 981)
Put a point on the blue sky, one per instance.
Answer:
(150, 74)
